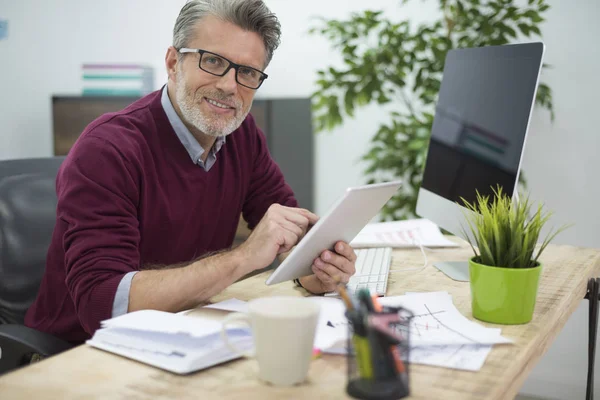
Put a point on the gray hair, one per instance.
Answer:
(250, 15)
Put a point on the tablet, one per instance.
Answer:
(344, 220)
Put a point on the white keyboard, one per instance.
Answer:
(372, 270)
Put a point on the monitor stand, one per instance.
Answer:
(457, 270)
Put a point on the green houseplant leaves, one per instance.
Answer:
(505, 234)
(394, 62)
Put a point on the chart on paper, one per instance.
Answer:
(401, 234)
(441, 336)
(437, 322)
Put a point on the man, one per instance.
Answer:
(149, 197)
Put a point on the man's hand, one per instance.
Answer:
(331, 268)
(280, 229)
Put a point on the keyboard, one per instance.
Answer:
(372, 270)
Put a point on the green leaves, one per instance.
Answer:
(544, 99)
(398, 150)
(505, 234)
(387, 61)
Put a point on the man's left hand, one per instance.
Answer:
(330, 269)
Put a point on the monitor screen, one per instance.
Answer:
(481, 119)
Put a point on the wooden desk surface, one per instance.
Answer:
(89, 373)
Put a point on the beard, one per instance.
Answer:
(210, 124)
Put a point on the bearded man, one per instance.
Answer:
(149, 198)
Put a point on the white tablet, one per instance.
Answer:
(343, 222)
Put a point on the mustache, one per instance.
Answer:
(224, 98)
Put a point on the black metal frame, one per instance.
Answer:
(593, 296)
(232, 65)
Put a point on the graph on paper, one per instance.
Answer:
(441, 336)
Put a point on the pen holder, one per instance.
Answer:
(378, 363)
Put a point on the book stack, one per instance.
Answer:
(117, 79)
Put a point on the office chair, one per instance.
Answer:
(27, 218)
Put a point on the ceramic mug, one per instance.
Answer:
(283, 329)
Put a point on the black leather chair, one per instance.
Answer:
(27, 218)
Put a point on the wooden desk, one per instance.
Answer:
(90, 373)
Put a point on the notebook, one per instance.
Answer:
(172, 342)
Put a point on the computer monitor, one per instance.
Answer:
(478, 133)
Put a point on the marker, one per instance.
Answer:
(400, 368)
(361, 344)
(316, 353)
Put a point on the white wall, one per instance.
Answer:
(48, 42)
(562, 167)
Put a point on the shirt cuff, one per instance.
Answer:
(121, 303)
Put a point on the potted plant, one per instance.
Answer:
(505, 270)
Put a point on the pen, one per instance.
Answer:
(359, 338)
(383, 362)
(393, 348)
(361, 344)
(365, 297)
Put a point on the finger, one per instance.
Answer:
(289, 240)
(338, 261)
(336, 275)
(292, 227)
(296, 218)
(312, 218)
(345, 250)
(327, 283)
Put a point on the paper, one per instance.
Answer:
(468, 357)
(230, 305)
(172, 342)
(439, 334)
(437, 322)
(401, 234)
(332, 328)
(164, 322)
(464, 357)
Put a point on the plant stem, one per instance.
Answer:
(408, 104)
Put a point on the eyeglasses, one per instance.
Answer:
(218, 65)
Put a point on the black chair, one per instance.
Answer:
(27, 218)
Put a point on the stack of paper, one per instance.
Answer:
(399, 234)
(176, 343)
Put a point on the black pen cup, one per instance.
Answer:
(378, 365)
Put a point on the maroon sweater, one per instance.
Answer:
(129, 195)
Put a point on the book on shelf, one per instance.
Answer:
(117, 79)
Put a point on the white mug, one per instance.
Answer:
(283, 329)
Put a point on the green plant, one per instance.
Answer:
(385, 62)
(506, 233)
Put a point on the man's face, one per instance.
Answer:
(217, 105)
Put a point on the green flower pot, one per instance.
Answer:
(503, 295)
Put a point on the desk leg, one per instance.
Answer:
(592, 296)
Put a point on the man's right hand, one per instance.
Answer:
(280, 229)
